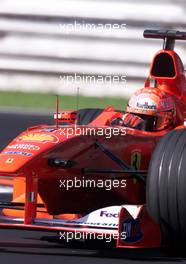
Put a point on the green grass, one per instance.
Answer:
(47, 101)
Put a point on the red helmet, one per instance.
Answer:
(155, 107)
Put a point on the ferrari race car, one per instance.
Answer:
(87, 177)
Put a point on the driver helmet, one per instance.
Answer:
(154, 106)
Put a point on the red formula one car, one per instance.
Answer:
(88, 176)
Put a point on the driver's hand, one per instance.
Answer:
(130, 120)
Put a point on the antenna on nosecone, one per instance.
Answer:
(57, 111)
(77, 98)
(77, 105)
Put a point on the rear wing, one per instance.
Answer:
(168, 36)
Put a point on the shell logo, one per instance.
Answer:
(38, 137)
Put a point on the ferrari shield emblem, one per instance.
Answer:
(135, 160)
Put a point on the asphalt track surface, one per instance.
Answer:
(38, 247)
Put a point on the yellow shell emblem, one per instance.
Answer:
(38, 137)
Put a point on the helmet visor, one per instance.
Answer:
(158, 122)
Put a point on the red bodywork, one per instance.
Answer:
(27, 159)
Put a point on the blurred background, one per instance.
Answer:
(95, 47)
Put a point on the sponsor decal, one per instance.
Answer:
(105, 217)
(24, 146)
(147, 104)
(9, 160)
(133, 230)
(109, 214)
(166, 104)
(143, 101)
(98, 224)
(17, 153)
(38, 137)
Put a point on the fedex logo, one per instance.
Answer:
(107, 214)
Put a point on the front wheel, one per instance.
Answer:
(166, 185)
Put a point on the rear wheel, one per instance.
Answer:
(166, 185)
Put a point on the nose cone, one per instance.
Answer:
(25, 148)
